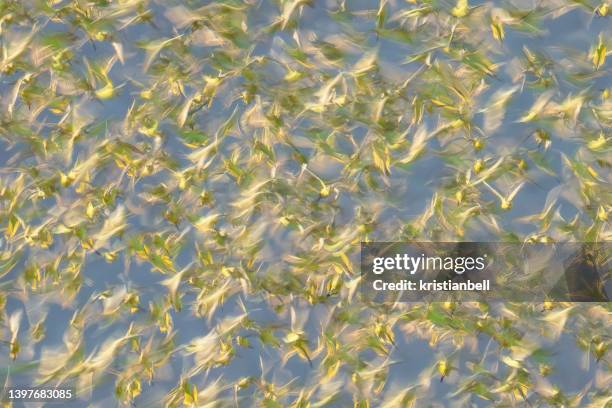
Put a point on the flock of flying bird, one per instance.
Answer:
(184, 187)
